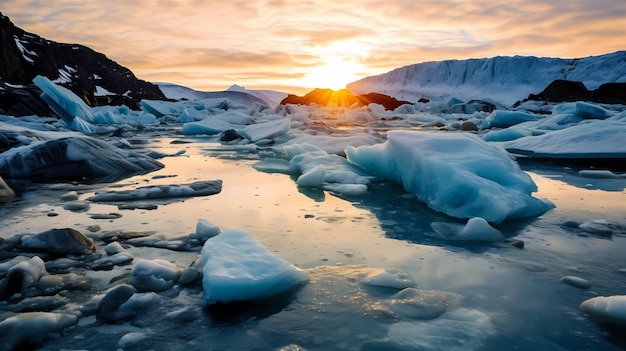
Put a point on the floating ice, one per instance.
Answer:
(154, 275)
(121, 303)
(576, 281)
(32, 328)
(236, 267)
(504, 119)
(454, 173)
(218, 123)
(422, 304)
(507, 134)
(318, 169)
(63, 101)
(461, 329)
(200, 188)
(206, 230)
(22, 276)
(609, 309)
(600, 174)
(59, 241)
(598, 227)
(266, 130)
(476, 229)
(72, 157)
(389, 278)
(590, 140)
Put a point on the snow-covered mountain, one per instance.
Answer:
(92, 76)
(504, 79)
(235, 93)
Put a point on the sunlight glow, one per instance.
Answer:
(335, 74)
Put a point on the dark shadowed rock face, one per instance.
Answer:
(343, 97)
(24, 55)
(568, 91)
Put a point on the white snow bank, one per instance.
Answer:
(609, 309)
(236, 267)
(593, 139)
(454, 173)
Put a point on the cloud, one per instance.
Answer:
(277, 42)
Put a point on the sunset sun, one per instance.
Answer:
(335, 74)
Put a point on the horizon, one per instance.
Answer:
(294, 47)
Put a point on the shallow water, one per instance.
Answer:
(510, 298)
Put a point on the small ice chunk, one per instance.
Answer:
(313, 178)
(422, 304)
(122, 303)
(596, 227)
(389, 278)
(266, 130)
(60, 241)
(576, 281)
(600, 174)
(236, 267)
(70, 196)
(113, 248)
(131, 339)
(609, 309)
(206, 230)
(32, 327)
(76, 206)
(347, 189)
(477, 229)
(22, 276)
(460, 329)
(505, 119)
(199, 188)
(154, 275)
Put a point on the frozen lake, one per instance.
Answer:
(491, 296)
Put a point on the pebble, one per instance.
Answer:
(518, 243)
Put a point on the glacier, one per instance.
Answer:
(504, 79)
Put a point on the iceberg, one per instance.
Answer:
(237, 267)
(455, 173)
(63, 101)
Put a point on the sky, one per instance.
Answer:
(296, 45)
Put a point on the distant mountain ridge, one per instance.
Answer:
(503, 79)
(92, 76)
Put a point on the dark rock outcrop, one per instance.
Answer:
(23, 56)
(343, 97)
(569, 91)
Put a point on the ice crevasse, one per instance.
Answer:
(455, 173)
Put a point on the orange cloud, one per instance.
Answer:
(271, 43)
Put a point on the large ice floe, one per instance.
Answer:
(457, 174)
(237, 267)
(67, 156)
